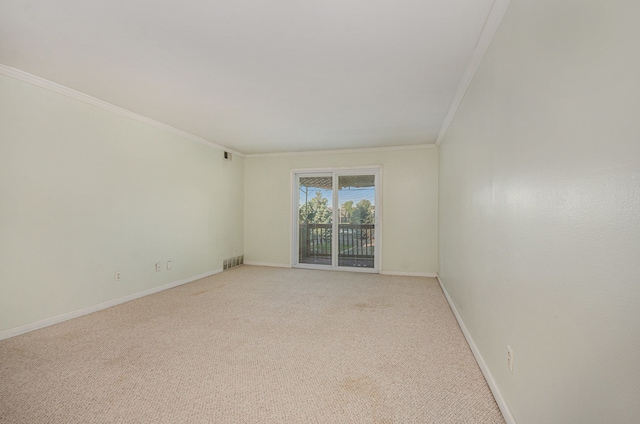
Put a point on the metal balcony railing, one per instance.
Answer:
(354, 240)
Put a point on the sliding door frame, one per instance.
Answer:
(335, 173)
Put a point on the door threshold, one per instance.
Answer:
(330, 268)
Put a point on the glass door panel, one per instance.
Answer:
(356, 221)
(315, 220)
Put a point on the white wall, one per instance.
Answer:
(85, 192)
(409, 205)
(540, 210)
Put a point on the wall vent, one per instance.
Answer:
(232, 262)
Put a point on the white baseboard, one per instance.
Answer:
(410, 274)
(405, 274)
(504, 408)
(12, 332)
(267, 264)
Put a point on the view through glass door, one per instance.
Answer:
(336, 219)
(356, 226)
(315, 229)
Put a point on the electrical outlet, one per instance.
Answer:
(510, 358)
(117, 276)
(169, 265)
(158, 266)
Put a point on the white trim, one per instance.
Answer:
(88, 310)
(77, 95)
(340, 151)
(293, 217)
(502, 404)
(335, 173)
(410, 274)
(337, 268)
(378, 221)
(335, 220)
(355, 169)
(293, 220)
(274, 265)
(491, 25)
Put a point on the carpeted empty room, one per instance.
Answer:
(254, 345)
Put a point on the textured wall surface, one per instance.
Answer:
(409, 205)
(540, 210)
(85, 193)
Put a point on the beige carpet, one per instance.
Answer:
(254, 345)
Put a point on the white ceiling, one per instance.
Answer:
(258, 77)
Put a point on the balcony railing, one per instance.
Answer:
(354, 240)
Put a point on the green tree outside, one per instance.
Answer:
(363, 213)
(347, 211)
(316, 210)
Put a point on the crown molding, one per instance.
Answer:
(77, 95)
(491, 25)
(340, 151)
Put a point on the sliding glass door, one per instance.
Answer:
(315, 226)
(335, 219)
(356, 227)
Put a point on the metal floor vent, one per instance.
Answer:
(232, 262)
